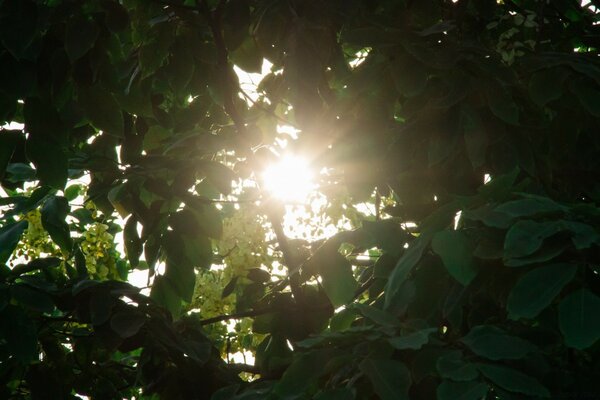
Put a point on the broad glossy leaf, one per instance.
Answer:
(377, 315)
(179, 271)
(165, 295)
(20, 334)
(409, 76)
(337, 394)
(133, 243)
(589, 96)
(526, 236)
(54, 212)
(18, 25)
(50, 160)
(10, 235)
(452, 366)
(578, 318)
(530, 206)
(537, 288)
(127, 323)
(413, 341)
(8, 141)
(513, 380)
(390, 378)
(546, 85)
(456, 252)
(470, 390)
(502, 104)
(219, 176)
(248, 56)
(476, 138)
(491, 342)
(403, 267)
(305, 369)
(32, 298)
(80, 36)
(338, 280)
(102, 109)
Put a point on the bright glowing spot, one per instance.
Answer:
(290, 179)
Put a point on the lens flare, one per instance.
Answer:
(290, 179)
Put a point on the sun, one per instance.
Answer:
(290, 179)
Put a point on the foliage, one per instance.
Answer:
(473, 120)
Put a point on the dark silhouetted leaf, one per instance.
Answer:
(81, 34)
(127, 323)
(390, 378)
(513, 380)
(578, 319)
(493, 343)
(10, 235)
(472, 390)
(537, 288)
(452, 366)
(457, 254)
(54, 212)
(102, 109)
(413, 341)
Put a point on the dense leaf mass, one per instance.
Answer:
(469, 126)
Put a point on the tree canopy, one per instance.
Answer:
(130, 143)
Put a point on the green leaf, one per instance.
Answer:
(248, 56)
(472, 390)
(80, 37)
(165, 295)
(8, 142)
(390, 378)
(537, 288)
(513, 380)
(493, 343)
(20, 334)
(9, 238)
(154, 52)
(589, 96)
(526, 236)
(457, 254)
(179, 272)
(73, 191)
(409, 76)
(546, 85)
(305, 369)
(476, 138)
(101, 306)
(546, 253)
(502, 104)
(18, 25)
(181, 65)
(403, 267)
(376, 315)
(219, 176)
(127, 323)
(51, 162)
(413, 341)
(32, 298)
(452, 366)
(529, 207)
(338, 281)
(54, 212)
(133, 243)
(337, 394)
(578, 319)
(102, 109)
